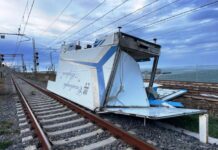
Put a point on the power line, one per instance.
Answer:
(151, 12)
(156, 10)
(187, 29)
(17, 45)
(26, 23)
(120, 18)
(174, 16)
(22, 19)
(96, 19)
(78, 21)
(28, 16)
(25, 10)
(17, 49)
(61, 13)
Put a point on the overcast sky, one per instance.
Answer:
(186, 40)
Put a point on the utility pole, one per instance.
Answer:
(35, 57)
(1, 65)
(2, 36)
(52, 65)
(13, 55)
(1, 59)
(23, 64)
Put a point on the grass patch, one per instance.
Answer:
(4, 131)
(33, 92)
(191, 123)
(5, 127)
(6, 124)
(5, 144)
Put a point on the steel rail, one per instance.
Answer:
(35, 124)
(115, 131)
(186, 82)
(192, 87)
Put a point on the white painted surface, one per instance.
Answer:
(51, 111)
(128, 86)
(20, 115)
(203, 128)
(154, 85)
(24, 130)
(76, 138)
(22, 119)
(63, 123)
(59, 118)
(168, 94)
(56, 114)
(154, 112)
(31, 147)
(27, 138)
(78, 78)
(23, 124)
(99, 144)
(70, 129)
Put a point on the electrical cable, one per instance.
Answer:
(60, 14)
(73, 25)
(96, 19)
(174, 16)
(119, 19)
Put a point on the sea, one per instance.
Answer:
(189, 73)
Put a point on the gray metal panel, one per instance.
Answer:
(127, 85)
(155, 112)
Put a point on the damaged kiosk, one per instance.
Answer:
(105, 77)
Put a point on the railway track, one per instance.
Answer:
(60, 124)
(196, 90)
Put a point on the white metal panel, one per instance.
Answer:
(155, 112)
(77, 83)
(107, 67)
(127, 89)
(168, 94)
(154, 84)
(83, 81)
(85, 55)
(106, 40)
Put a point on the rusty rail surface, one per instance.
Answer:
(35, 124)
(115, 131)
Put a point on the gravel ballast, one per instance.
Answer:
(9, 130)
(159, 137)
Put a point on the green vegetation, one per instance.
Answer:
(5, 127)
(33, 92)
(191, 123)
(5, 144)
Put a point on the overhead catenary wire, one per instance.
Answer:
(26, 23)
(74, 24)
(151, 12)
(22, 20)
(58, 16)
(187, 29)
(174, 16)
(17, 45)
(119, 19)
(96, 19)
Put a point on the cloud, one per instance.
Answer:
(192, 34)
